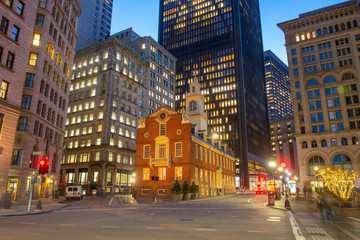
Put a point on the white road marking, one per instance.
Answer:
(206, 229)
(230, 216)
(255, 231)
(295, 227)
(155, 228)
(275, 217)
(111, 201)
(273, 220)
(67, 225)
(29, 223)
(111, 226)
(356, 219)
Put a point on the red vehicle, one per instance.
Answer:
(260, 187)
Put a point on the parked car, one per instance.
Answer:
(74, 192)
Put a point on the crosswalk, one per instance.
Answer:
(312, 228)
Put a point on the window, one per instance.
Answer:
(146, 174)
(146, 151)
(342, 161)
(4, 25)
(313, 144)
(312, 82)
(20, 8)
(178, 149)
(162, 173)
(323, 143)
(315, 163)
(10, 60)
(42, 3)
(8, 2)
(354, 140)
(178, 173)
(297, 84)
(162, 129)
(16, 157)
(344, 141)
(36, 39)
(26, 100)
(15, 33)
(4, 89)
(33, 59)
(29, 80)
(1, 121)
(22, 124)
(39, 20)
(162, 150)
(333, 142)
(304, 144)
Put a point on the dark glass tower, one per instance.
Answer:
(219, 44)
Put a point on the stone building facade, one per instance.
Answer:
(174, 146)
(44, 97)
(161, 84)
(323, 53)
(16, 32)
(107, 98)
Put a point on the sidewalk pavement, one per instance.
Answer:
(21, 207)
(346, 220)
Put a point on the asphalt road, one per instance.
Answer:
(228, 217)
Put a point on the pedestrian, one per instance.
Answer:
(304, 190)
(297, 192)
(322, 208)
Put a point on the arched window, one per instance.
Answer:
(348, 76)
(302, 36)
(297, 37)
(313, 144)
(193, 89)
(304, 144)
(344, 142)
(342, 26)
(308, 36)
(323, 143)
(313, 34)
(348, 25)
(192, 105)
(342, 161)
(297, 84)
(336, 28)
(329, 79)
(312, 82)
(333, 142)
(355, 141)
(355, 23)
(315, 163)
(331, 30)
(325, 31)
(319, 32)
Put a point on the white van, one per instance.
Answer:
(74, 192)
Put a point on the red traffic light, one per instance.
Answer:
(283, 164)
(43, 166)
(42, 162)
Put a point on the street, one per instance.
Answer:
(241, 216)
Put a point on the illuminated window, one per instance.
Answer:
(33, 59)
(106, 55)
(162, 173)
(146, 174)
(101, 115)
(36, 39)
(178, 173)
(98, 141)
(146, 151)
(99, 129)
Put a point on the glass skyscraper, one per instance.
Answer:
(219, 44)
(94, 22)
(278, 87)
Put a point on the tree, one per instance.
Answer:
(338, 181)
(194, 188)
(186, 186)
(176, 187)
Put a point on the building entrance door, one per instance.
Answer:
(13, 186)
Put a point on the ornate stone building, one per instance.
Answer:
(16, 32)
(323, 54)
(107, 98)
(44, 97)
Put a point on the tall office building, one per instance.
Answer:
(323, 54)
(161, 84)
(44, 97)
(107, 98)
(94, 22)
(277, 87)
(16, 17)
(219, 44)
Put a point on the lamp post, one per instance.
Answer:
(272, 164)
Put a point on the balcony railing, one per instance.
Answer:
(159, 162)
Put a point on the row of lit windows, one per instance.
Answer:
(85, 157)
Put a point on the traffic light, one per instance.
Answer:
(262, 178)
(43, 166)
(154, 178)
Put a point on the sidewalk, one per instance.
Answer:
(21, 207)
(346, 220)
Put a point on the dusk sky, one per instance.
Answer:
(143, 17)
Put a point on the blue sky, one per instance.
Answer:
(143, 17)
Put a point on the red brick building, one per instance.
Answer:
(171, 147)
